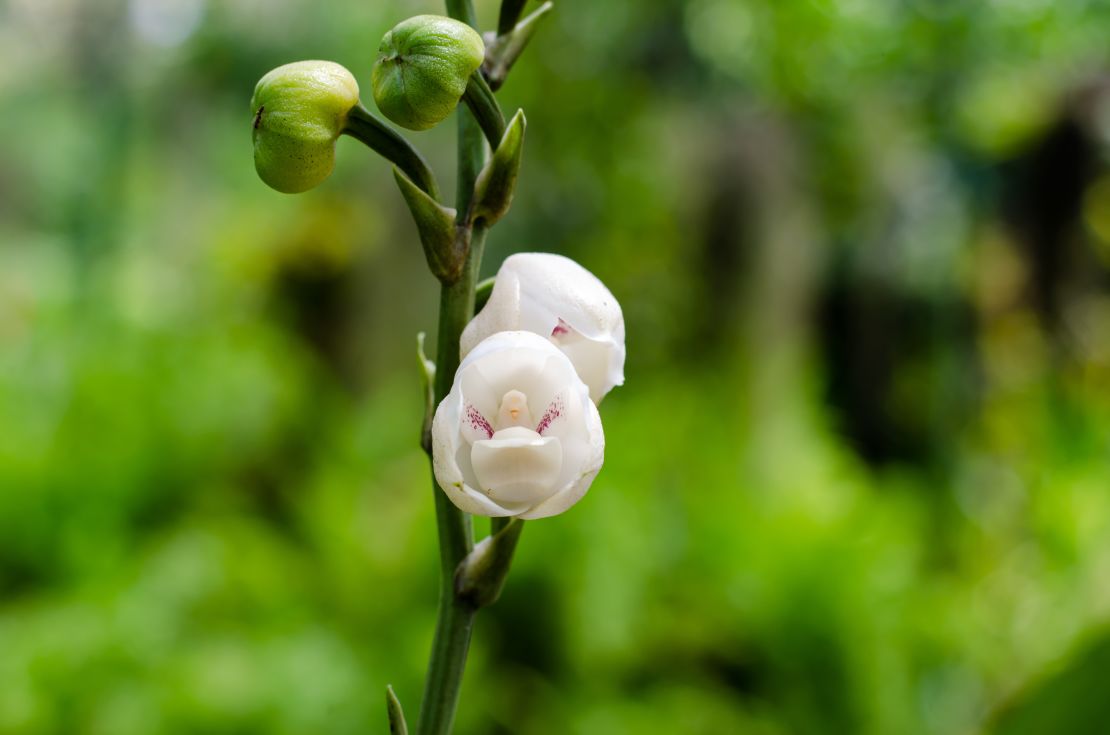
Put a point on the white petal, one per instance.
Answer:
(500, 314)
(545, 294)
(573, 491)
(553, 284)
(566, 418)
(600, 362)
(469, 500)
(524, 362)
(517, 465)
(445, 437)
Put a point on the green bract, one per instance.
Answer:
(299, 111)
(422, 69)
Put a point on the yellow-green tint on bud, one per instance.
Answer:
(299, 111)
(422, 69)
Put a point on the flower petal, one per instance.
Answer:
(573, 491)
(517, 465)
(555, 297)
(500, 314)
(600, 362)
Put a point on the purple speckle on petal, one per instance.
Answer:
(560, 329)
(554, 411)
(478, 421)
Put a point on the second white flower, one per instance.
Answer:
(557, 298)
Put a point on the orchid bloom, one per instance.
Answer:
(556, 298)
(518, 434)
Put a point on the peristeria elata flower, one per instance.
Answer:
(518, 434)
(556, 298)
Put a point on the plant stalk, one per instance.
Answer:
(391, 145)
(456, 536)
(510, 14)
(455, 620)
(479, 98)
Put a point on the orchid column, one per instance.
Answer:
(513, 431)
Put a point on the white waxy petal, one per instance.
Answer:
(590, 456)
(596, 361)
(558, 299)
(517, 465)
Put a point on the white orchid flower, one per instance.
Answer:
(558, 299)
(518, 434)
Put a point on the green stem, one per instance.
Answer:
(449, 648)
(463, 10)
(510, 14)
(363, 126)
(479, 98)
(456, 617)
(456, 535)
(456, 306)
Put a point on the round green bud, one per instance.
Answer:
(422, 69)
(299, 111)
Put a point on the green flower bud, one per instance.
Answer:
(299, 111)
(422, 69)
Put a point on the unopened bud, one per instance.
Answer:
(299, 111)
(422, 69)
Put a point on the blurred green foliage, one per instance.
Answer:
(857, 481)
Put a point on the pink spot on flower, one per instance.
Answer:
(560, 329)
(478, 421)
(554, 411)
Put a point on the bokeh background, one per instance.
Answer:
(858, 480)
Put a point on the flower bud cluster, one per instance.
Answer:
(299, 110)
(519, 434)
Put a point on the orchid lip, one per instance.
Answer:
(517, 465)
